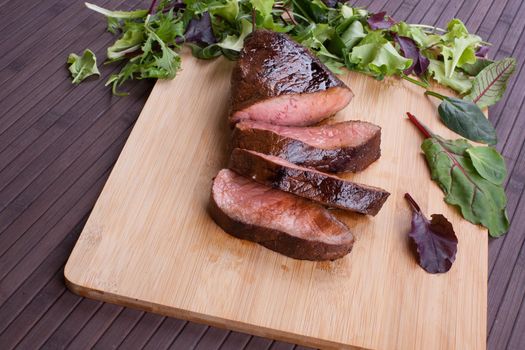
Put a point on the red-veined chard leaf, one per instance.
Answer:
(479, 200)
(435, 240)
(490, 84)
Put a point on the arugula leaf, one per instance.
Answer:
(338, 34)
(488, 163)
(83, 66)
(490, 84)
(168, 28)
(377, 55)
(161, 63)
(479, 200)
(435, 239)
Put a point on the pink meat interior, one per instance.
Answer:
(297, 110)
(247, 201)
(330, 136)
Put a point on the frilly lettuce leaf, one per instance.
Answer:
(458, 81)
(377, 55)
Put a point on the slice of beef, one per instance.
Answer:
(341, 147)
(280, 221)
(278, 81)
(326, 189)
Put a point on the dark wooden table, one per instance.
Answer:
(59, 142)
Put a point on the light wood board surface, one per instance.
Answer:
(150, 243)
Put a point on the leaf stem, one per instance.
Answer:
(414, 81)
(419, 125)
(303, 12)
(152, 7)
(426, 26)
(435, 94)
(254, 20)
(412, 203)
(428, 134)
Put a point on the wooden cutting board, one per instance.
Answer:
(149, 242)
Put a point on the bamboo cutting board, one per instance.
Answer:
(149, 242)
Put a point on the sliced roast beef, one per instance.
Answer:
(341, 147)
(281, 82)
(326, 189)
(280, 221)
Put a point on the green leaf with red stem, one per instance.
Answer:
(490, 84)
(479, 200)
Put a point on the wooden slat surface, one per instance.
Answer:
(59, 142)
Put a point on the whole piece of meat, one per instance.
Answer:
(348, 146)
(280, 221)
(323, 188)
(278, 81)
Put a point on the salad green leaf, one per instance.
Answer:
(466, 119)
(490, 84)
(131, 41)
(83, 66)
(377, 55)
(479, 200)
(235, 42)
(458, 81)
(475, 68)
(229, 10)
(488, 163)
(341, 36)
(461, 53)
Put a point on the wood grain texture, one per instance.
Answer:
(149, 242)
